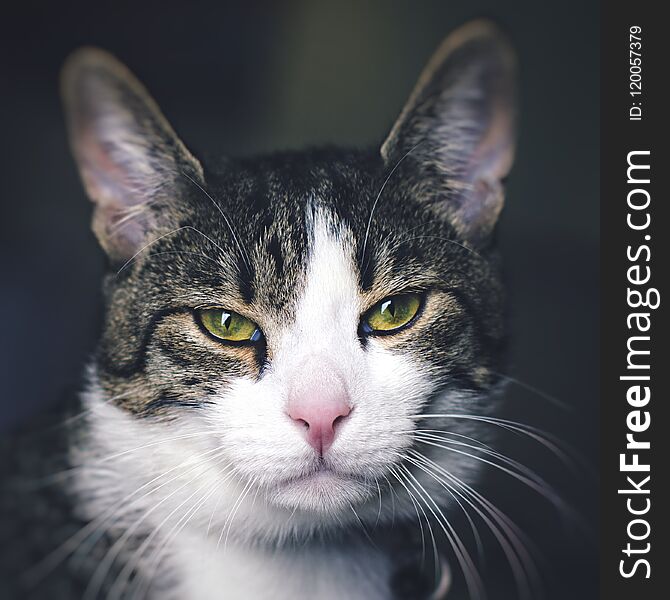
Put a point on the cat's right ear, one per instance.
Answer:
(458, 128)
(129, 158)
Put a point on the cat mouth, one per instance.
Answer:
(321, 472)
(320, 490)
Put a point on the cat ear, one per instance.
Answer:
(129, 158)
(459, 127)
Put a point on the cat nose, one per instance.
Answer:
(319, 414)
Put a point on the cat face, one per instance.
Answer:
(276, 328)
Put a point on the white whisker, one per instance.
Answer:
(161, 237)
(381, 191)
(106, 563)
(514, 549)
(243, 252)
(473, 579)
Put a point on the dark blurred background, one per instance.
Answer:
(248, 77)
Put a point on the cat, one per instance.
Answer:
(293, 348)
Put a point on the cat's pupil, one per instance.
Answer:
(225, 320)
(388, 306)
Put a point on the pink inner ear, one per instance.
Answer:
(126, 150)
(494, 155)
(109, 186)
(121, 241)
(478, 214)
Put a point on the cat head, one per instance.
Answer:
(277, 328)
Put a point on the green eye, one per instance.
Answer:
(228, 325)
(391, 313)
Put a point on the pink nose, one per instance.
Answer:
(319, 413)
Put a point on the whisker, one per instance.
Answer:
(97, 579)
(473, 527)
(160, 237)
(451, 433)
(243, 253)
(543, 490)
(153, 444)
(147, 574)
(552, 443)
(544, 395)
(179, 252)
(362, 526)
(417, 506)
(437, 563)
(475, 532)
(374, 204)
(528, 472)
(231, 516)
(521, 545)
(513, 549)
(379, 511)
(76, 543)
(393, 498)
(93, 539)
(444, 239)
(61, 476)
(473, 578)
(80, 415)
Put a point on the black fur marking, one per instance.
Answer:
(170, 400)
(138, 362)
(367, 276)
(246, 276)
(274, 249)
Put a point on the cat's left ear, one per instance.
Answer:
(458, 127)
(131, 161)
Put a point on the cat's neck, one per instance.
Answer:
(354, 570)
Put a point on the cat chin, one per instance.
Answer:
(320, 494)
(298, 515)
